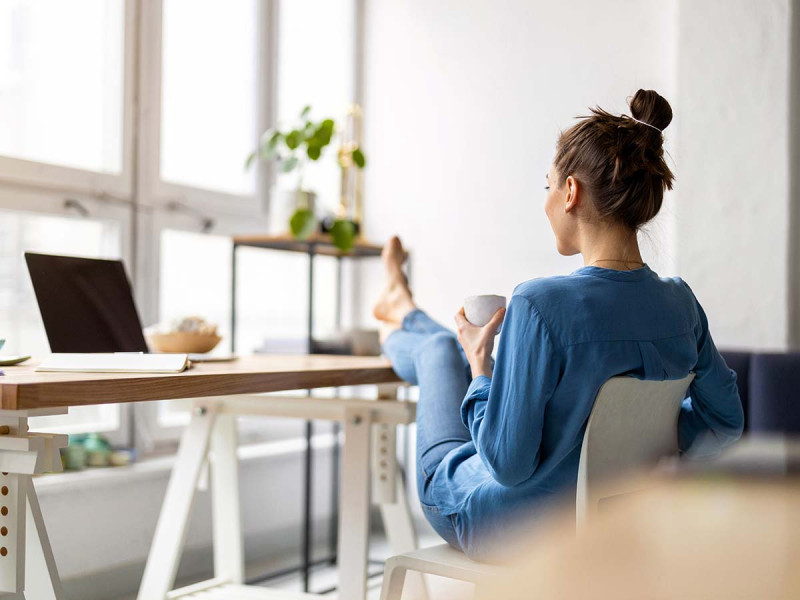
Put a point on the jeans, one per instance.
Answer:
(428, 355)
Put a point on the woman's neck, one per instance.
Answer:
(611, 248)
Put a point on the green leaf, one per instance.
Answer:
(294, 138)
(313, 151)
(305, 111)
(266, 153)
(327, 127)
(302, 223)
(323, 133)
(272, 142)
(270, 136)
(343, 233)
(251, 158)
(289, 164)
(358, 158)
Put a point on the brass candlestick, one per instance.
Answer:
(350, 201)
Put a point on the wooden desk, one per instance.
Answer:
(23, 388)
(221, 392)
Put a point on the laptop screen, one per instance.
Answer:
(86, 304)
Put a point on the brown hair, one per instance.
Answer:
(620, 161)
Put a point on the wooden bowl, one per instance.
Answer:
(183, 342)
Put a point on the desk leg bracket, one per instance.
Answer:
(27, 565)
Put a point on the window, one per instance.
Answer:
(65, 116)
(62, 91)
(205, 91)
(19, 316)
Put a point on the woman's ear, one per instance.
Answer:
(572, 198)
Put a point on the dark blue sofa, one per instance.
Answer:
(769, 386)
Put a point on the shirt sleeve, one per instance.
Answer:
(505, 414)
(711, 416)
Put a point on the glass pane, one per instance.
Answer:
(20, 322)
(316, 60)
(208, 102)
(61, 68)
(195, 279)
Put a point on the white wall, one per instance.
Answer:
(732, 217)
(463, 103)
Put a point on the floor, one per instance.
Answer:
(325, 577)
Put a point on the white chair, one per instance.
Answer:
(633, 424)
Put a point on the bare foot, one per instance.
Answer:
(393, 256)
(395, 301)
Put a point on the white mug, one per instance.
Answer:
(480, 309)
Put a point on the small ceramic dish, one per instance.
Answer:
(7, 361)
(181, 341)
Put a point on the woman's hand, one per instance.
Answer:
(478, 342)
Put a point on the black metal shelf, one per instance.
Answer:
(316, 245)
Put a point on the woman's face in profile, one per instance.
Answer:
(562, 222)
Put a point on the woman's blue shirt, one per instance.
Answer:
(562, 338)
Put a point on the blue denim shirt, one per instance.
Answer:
(562, 338)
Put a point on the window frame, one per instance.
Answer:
(18, 171)
(52, 203)
(162, 194)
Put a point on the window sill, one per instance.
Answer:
(155, 467)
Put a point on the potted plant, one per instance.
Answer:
(293, 150)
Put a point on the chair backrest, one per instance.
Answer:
(633, 424)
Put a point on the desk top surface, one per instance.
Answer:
(22, 388)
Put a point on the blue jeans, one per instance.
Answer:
(428, 355)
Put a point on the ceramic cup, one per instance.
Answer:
(479, 309)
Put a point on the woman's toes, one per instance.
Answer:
(394, 256)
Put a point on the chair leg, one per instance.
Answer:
(394, 577)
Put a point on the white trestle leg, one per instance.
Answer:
(388, 491)
(226, 509)
(41, 577)
(354, 502)
(162, 562)
(27, 567)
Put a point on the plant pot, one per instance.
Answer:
(283, 205)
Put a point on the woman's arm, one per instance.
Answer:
(711, 417)
(505, 413)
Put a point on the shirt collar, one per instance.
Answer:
(634, 275)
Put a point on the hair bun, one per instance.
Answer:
(652, 108)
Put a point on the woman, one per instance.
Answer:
(497, 442)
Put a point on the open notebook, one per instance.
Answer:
(115, 362)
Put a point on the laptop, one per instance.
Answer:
(87, 305)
